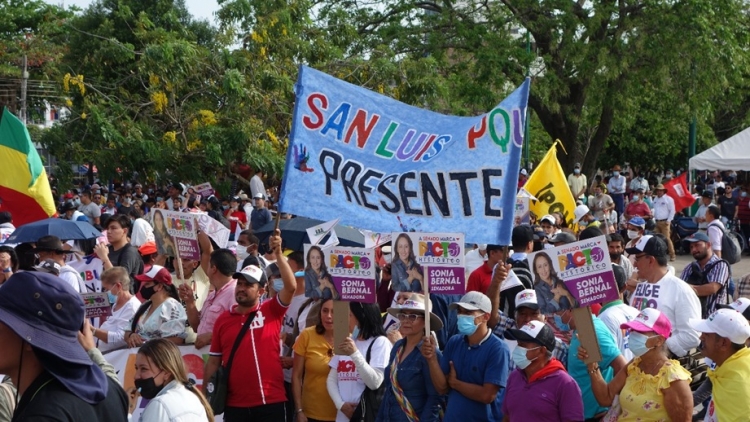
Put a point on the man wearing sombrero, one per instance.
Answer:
(51, 247)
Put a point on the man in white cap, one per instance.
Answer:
(549, 225)
(475, 364)
(476, 257)
(665, 292)
(260, 215)
(723, 338)
(584, 218)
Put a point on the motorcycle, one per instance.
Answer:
(682, 228)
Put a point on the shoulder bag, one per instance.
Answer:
(369, 403)
(218, 386)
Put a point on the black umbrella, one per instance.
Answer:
(64, 229)
(294, 233)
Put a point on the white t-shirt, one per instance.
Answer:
(614, 316)
(678, 302)
(142, 233)
(71, 276)
(474, 260)
(350, 383)
(715, 232)
(290, 318)
(117, 324)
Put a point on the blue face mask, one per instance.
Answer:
(616, 173)
(563, 326)
(299, 274)
(519, 357)
(577, 171)
(466, 325)
(637, 344)
(635, 198)
(112, 298)
(743, 194)
(355, 333)
(278, 285)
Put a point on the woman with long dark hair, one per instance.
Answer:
(312, 354)
(161, 315)
(318, 284)
(161, 377)
(362, 364)
(406, 274)
(545, 280)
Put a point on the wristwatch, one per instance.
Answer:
(298, 411)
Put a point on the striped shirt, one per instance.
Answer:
(719, 273)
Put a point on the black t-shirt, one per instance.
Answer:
(47, 399)
(728, 206)
(129, 258)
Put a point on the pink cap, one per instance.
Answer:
(155, 273)
(650, 319)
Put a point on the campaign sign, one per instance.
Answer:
(352, 271)
(573, 275)
(204, 189)
(360, 156)
(123, 361)
(214, 229)
(522, 214)
(176, 233)
(441, 253)
(96, 305)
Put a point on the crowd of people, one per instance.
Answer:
(265, 315)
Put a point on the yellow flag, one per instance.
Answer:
(550, 188)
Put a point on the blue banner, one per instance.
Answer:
(382, 165)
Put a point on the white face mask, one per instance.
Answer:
(632, 234)
(242, 253)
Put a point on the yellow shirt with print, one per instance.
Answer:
(731, 391)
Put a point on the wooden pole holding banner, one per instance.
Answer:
(178, 260)
(587, 334)
(426, 291)
(340, 324)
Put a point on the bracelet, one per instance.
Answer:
(298, 411)
(594, 370)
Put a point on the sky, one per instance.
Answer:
(201, 9)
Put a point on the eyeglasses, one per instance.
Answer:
(637, 257)
(408, 317)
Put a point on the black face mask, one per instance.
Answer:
(148, 387)
(147, 292)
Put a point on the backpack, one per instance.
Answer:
(699, 278)
(730, 247)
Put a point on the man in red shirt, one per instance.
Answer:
(256, 381)
(637, 207)
(480, 279)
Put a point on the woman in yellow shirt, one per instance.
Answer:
(312, 353)
(652, 387)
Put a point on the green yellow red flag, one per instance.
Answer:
(24, 187)
(550, 188)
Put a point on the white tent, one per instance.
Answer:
(732, 154)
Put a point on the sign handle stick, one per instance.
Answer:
(178, 260)
(340, 324)
(426, 290)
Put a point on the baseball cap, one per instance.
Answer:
(727, 323)
(482, 246)
(638, 222)
(148, 248)
(252, 274)
(549, 218)
(563, 237)
(157, 274)
(577, 166)
(259, 196)
(522, 235)
(650, 245)
(524, 172)
(235, 199)
(650, 319)
(527, 298)
(534, 332)
(579, 212)
(473, 301)
(697, 237)
(707, 194)
(741, 305)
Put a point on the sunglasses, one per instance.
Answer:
(408, 317)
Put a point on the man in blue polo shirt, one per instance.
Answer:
(475, 364)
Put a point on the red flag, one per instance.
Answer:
(677, 188)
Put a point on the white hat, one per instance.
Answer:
(549, 218)
(527, 298)
(741, 305)
(524, 172)
(727, 323)
(417, 303)
(258, 196)
(579, 212)
(473, 301)
(482, 246)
